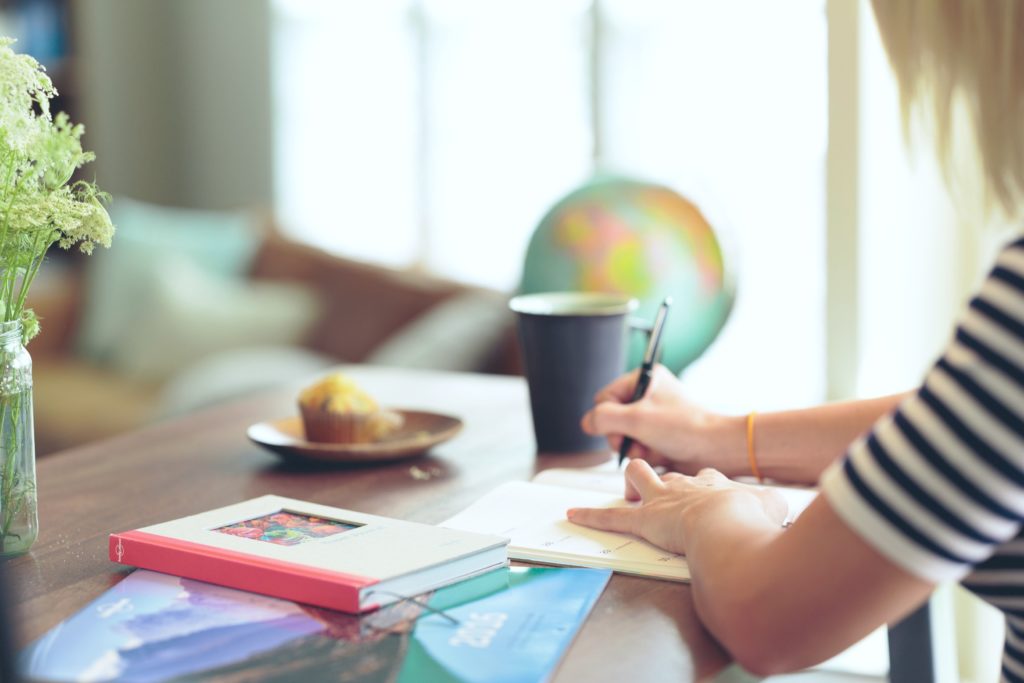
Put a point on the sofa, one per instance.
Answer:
(172, 320)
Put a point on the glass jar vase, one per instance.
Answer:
(19, 522)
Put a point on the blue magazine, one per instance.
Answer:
(509, 625)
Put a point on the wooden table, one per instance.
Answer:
(640, 630)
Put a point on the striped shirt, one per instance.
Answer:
(938, 486)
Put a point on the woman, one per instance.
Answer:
(932, 487)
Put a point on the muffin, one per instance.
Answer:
(336, 410)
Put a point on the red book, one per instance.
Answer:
(310, 553)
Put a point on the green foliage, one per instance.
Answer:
(39, 206)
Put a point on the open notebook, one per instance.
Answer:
(532, 515)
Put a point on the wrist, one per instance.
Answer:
(725, 444)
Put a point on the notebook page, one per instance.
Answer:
(533, 517)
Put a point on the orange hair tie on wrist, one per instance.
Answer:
(750, 446)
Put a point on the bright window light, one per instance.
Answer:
(436, 133)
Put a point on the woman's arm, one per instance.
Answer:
(778, 600)
(797, 445)
(793, 445)
(783, 601)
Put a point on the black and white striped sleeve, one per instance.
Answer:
(938, 485)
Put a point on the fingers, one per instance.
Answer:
(609, 418)
(642, 477)
(652, 459)
(710, 475)
(657, 459)
(637, 450)
(631, 494)
(607, 519)
(620, 390)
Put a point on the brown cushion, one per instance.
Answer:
(364, 304)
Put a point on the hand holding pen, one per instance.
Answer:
(643, 379)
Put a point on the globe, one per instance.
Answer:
(624, 236)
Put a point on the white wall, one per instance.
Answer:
(175, 97)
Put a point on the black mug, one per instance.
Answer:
(573, 344)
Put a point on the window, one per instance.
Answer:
(436, 133)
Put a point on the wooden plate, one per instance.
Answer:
(420, 431)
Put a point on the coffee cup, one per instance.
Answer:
(572, 344)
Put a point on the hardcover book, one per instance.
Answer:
(310, 553)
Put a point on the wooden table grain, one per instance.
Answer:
(640, 630)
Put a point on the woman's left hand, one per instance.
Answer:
(674, 503)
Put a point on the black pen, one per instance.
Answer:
(650, 358)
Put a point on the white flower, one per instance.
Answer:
(39, 155)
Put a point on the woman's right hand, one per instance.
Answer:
(667, 429)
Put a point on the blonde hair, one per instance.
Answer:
(969, 54)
